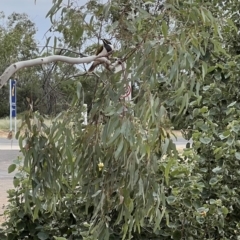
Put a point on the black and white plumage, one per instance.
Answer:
(106, 48)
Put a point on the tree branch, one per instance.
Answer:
(38, 61)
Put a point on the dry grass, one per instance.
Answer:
(3, 134)
(4, 123)
(4, 126)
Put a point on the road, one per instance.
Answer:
(6, 144)
(181, 142)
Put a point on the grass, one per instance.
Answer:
(5, 125)
(5, 122)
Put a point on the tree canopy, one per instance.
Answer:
(121, 176)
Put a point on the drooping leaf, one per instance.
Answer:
(12, 168)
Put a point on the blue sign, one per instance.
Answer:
(13, 98)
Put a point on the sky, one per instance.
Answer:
(36, 12)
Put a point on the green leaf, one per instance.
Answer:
(197, 88)
(43, 235)
(205, 140)
(59, 238)
(165, 145)
(212, 201)
(36, 210)
(96, 193)
(213, 181)
(203, 16)
(237, 155)
(113, 26)
(184, 101)
(202, 209)
(119, 149)
(224, 210)
(187, 203)
(55, 42)
(16, 182)
(167, 169)
(171, 199)
(79, 88)
(115, 136)
(54, 9)
(106, 9)
(158, 219)
(217, 169)
(231, 23)
(231, 104)
(11, 168)
(164, 28)
(141, 189)
(200, 220)
(204, 69)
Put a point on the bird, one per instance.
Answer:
(106, 48)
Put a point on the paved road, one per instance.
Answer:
(181, 142)
(6, 144)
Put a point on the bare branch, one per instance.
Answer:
(38, 61)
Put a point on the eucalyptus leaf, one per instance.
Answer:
(205, 140)
(12, 168)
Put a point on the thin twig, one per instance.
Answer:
(65, 49)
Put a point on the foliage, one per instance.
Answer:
(47, 87)
(16, 43)
(120, 176)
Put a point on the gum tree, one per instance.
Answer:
(120, 176)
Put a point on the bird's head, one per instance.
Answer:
(105, 41)
(107, 44)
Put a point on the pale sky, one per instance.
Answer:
(36, 13)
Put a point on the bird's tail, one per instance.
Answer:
(93, 66)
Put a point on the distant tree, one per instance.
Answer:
(44, 86)
(17, 43)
